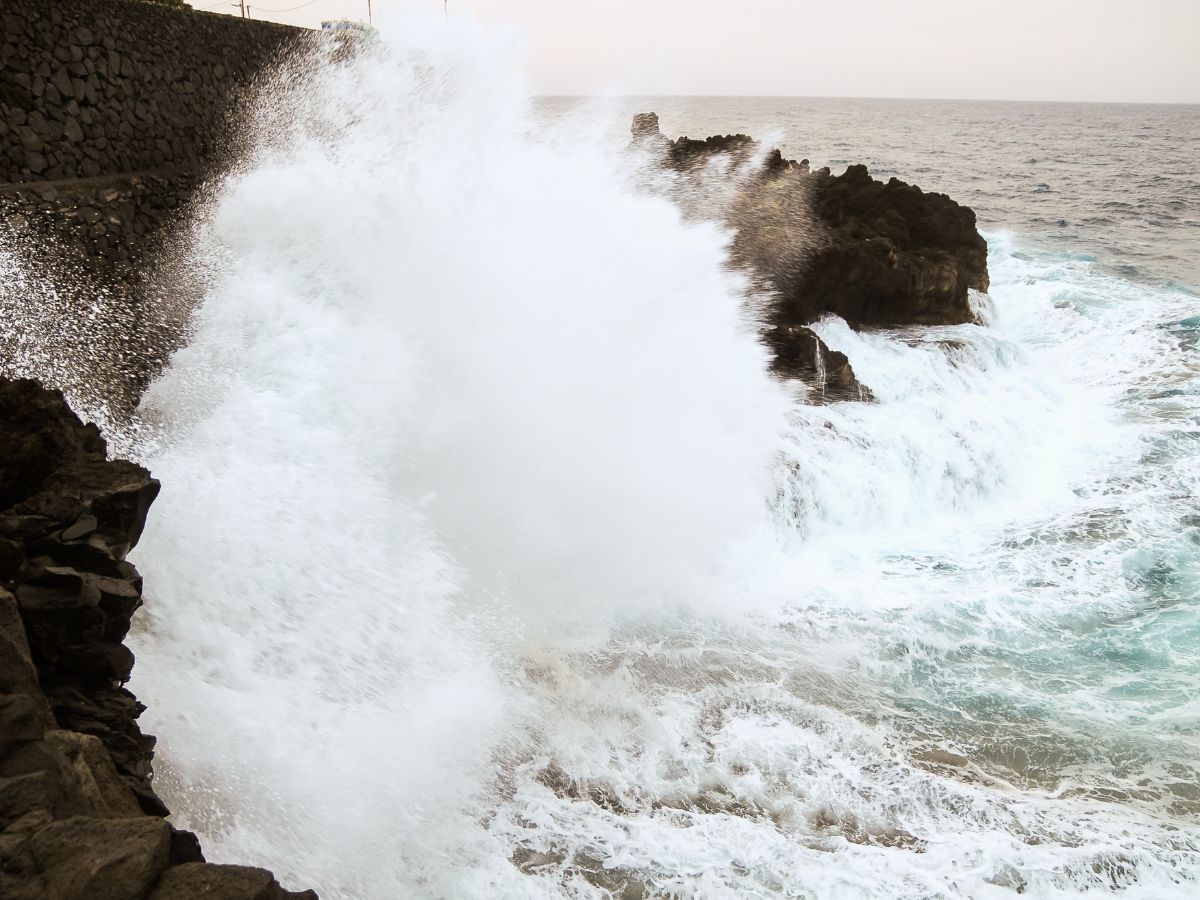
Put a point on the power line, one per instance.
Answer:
(289, 9)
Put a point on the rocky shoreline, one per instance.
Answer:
(79, 817)
(876, 254)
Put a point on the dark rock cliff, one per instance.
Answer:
(79, 817)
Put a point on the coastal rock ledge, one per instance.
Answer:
(79, 818)
(876, 254)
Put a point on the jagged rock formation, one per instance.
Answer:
(79, 817)
(801, 354)
(875, 254)
(893, 255)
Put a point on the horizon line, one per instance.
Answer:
(602, 95)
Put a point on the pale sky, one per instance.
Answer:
(1104, 50)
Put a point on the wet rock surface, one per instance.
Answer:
(108, 226)
(79, 817)
(892, 255)
(876, 254)
(801, 354)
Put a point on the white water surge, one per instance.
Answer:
(454, 388)
(490, 561)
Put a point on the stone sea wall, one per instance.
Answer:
(114, 116)
(110, 222)
(99, 87)
(112, 113)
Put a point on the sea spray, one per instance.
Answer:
(453, 387)
(87, 333)
(64, 329)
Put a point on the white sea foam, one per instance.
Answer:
(454, 388)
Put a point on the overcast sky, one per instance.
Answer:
(1113, 50)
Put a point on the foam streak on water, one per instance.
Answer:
(490, 562)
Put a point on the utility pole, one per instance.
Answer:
(370, 18)
(242, 4)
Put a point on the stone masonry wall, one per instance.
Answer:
(110, 222)
(100, 87)
(114, 114)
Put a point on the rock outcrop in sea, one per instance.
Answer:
(79, 818)
(876, 254)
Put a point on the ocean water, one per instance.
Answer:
(1113, 184)
(490, 561)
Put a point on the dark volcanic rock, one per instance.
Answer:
(801, 354)
(875, 254)
(646, 129)
(87, 858)
(40, 435)
(79, 817)
(893, 255)
(196, 881)
(686, 152)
